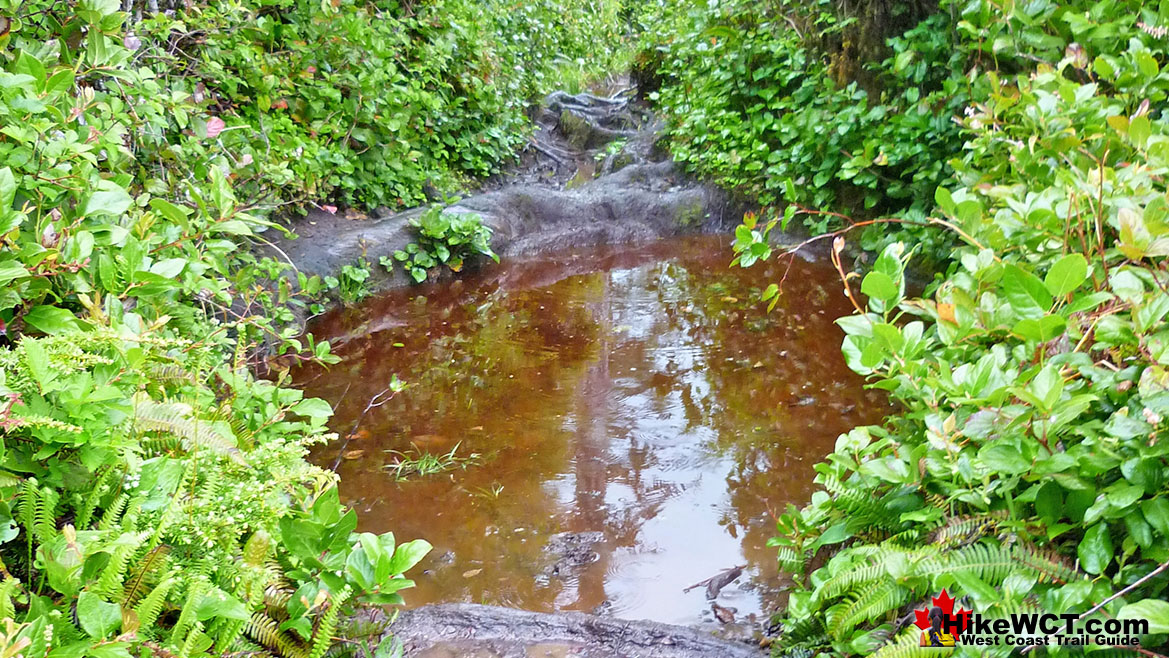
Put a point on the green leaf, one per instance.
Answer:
(1139, 130)
(1025, 293)
(109, 650)
(315, 408)
(1095, 550)
(232, 227)
(944, 199)
(7, 190)
(11, 270)
(409, 554)
(1003, 458)
(1066, 275)
(833, 535)
(38, 362)
(29, 65)
(1156, 512)
(1042, 330)
(50, 319)
(176, 214)
(98, 618)
(879, 285)
(1155, 611)
(109, 199)
(60, 82)
(217, 603)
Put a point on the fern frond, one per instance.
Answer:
(791, 560)
(277, 596)
(89, 505)
(871, 570)
(113, 513)
(26, 502)
(265, 631)
(859, 504)
(993, 563)
(245, 647)
(967, 529)
(176, 418)
(110, 583)
(7, 590)
(187, 615)
(172, 375)
(801, 630)
(156, 446)
(151, 569)
(151, 605)
(876, 600)
(323, 638)
(195, 637)
(45, 527)
(1046, 562)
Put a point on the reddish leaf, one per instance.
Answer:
(215, 125)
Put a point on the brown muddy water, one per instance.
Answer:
(642, 393)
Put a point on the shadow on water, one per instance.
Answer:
(640, 393)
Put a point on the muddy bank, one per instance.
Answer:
(592, 175)
(476, 631)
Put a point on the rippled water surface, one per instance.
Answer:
(640, 393)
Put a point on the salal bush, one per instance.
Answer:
(154, 496)
(756, 101)
(368, 103)
(1027, 470)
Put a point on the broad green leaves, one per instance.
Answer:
(444, 237)
(377, 566)
(108, 198)
(879, 286)
(50, 319)
(98, 618)
(1066, 274)
(1027, 295)
(1155, 611)
(1095, 551)
(1036, 390)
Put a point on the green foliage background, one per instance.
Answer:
(1023, 147)
(154, 495)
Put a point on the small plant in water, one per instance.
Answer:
(489, 492)
(417, 463)
(351, 283)
(449, 238)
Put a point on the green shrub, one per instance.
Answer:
(762, 107)
(368, 102)
(165, 494)
(446, 238)
(1028, 468)
(154, 496)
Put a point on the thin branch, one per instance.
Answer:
(376, 401)
(1140, 581)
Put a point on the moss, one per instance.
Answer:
(690, 214)
(576, 129)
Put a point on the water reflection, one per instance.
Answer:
(638, 392)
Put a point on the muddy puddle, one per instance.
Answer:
(638, 399)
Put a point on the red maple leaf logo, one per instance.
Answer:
(946, 603)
